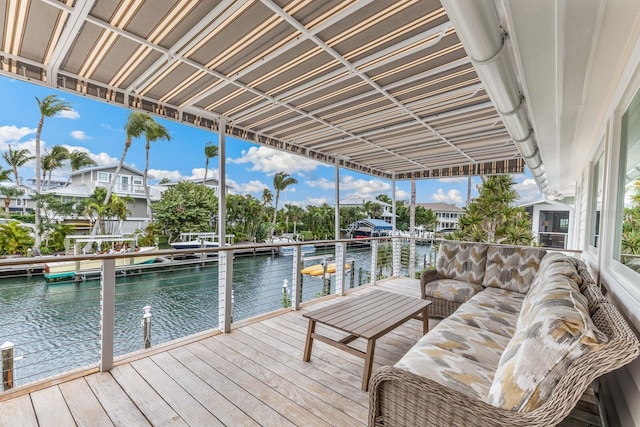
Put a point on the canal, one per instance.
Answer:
(55, 327)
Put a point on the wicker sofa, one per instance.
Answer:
(525, 333)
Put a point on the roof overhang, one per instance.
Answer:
(380, 87)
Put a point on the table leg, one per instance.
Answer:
(425, 321)
(309, 343)
(368, 363)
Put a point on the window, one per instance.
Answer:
(597, 175)
(627, 243)
(137, 180)
(18, 202)
(103, 176)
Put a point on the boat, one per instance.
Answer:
(318, 269)
(199, 241)
(367, 228)
(307, 248)
(196, 241)
(67, 269)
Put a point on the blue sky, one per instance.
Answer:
(96, 127)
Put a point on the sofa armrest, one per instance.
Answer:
(426, 277)
(399, 397)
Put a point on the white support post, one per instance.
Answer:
(337, 210)
(341, 250)
(296, 281)
(108, 307)
(225, 257)
(225, 305)
(397, 247)
(374, 261)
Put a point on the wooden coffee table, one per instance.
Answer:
(369, 316)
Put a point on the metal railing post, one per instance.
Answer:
(296, 281)
(6, 350)
(108, 307)
(374, 261)
(225, 275)
(146, 326)
(341, 249)
(396, 245)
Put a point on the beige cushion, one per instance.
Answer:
(555, 332)
(445, 367)
(464, 261)
(512, 267)
(499, 322)
(451, 290)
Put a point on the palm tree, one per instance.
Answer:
(8, 193)
(4, 176)
(153, 131)
(16, 159)
(80, 159)
(210, 151)
(54, 160)
(134, 128)
(49, 106)
(281, 181)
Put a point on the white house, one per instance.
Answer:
(446, 213)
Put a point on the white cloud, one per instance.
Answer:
(322, 183)
(365, 186)
(456, 180)
(69, 114)
(173, 176)
(402, 195)
(253, 187)
(270, 161)
(79, 135)
(452, 196)
(528, 190)
(13, 134)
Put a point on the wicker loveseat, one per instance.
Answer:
(525, 333)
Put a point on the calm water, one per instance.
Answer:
(56, 327)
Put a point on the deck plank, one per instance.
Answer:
(51, 408)
(191, 411)
(18, 411)
(83, 404)
(208, 397)
(263, 370)
(240, 397)
(154, 408)
(121, 410)
(349, 402)
(291, 410)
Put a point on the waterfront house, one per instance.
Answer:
(446, 213)
(129, 183)
(395, 89)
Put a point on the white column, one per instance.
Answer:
(225, 258)
(108, 307)
(341, 250)
(374, 261)
(396, 241)
(296, 281)
(337, 190)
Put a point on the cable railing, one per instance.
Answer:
(88, 320)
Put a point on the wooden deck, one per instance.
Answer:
(253, 376)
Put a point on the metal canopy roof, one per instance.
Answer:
(382, 86)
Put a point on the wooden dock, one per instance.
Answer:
(252, 376)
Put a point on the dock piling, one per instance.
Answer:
(146, 325)
(7, 365)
